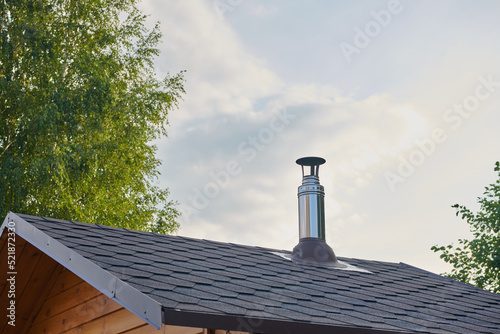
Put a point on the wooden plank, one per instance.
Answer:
(3, 250)
(41, 299)
(148, 329)
(112, 323)
(4, 289)
(3, 261)
(66, 300)
(26, 264)
(145, 329)
(67, 280)
(76, 316)
(182, 330)
(3, 238)
(31, 294)
(19, 244)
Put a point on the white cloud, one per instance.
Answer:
(265, 11)
(361, 117)
(221, 78)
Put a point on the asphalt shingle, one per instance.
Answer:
(208, 277)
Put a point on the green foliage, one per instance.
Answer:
(477, 261)
(79, 104)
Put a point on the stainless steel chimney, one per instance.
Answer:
(311, 200)
(312, 247)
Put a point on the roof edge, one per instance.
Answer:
(441, 276)
(250, 324)
(132, 299)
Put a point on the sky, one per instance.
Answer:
(400, 97)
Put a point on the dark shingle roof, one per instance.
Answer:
(252, 287)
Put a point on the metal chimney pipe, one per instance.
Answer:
(311, 196)
(312, 248)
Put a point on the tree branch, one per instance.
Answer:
(6, 147)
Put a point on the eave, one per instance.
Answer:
(260, 325)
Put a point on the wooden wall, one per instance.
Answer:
(51, 299)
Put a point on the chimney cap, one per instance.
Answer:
(313, 162)
(310, 161)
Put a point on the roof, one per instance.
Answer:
(209, 284)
